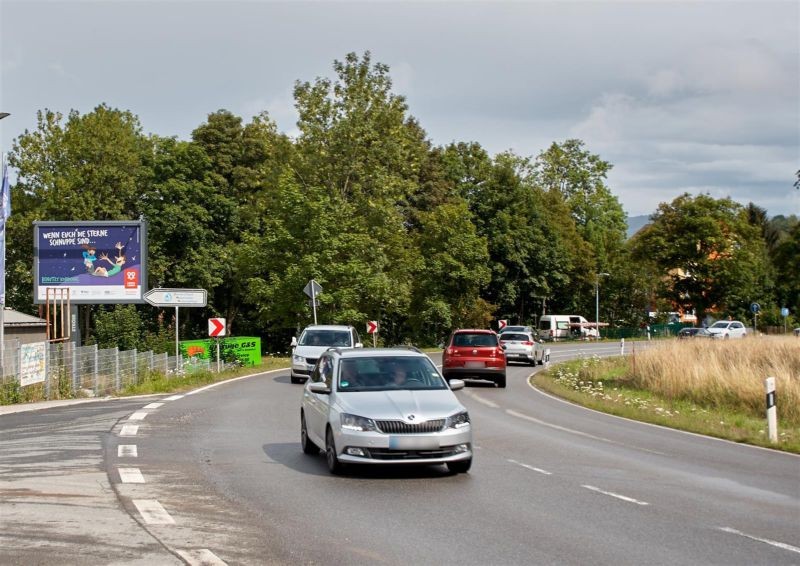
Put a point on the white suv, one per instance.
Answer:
(727, 329)
(314, 340)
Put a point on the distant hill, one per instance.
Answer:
(636, 222)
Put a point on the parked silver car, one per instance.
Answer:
(383, 406)
(522, 347)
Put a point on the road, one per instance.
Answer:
(218, 477)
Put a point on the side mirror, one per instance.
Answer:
(294, 341)
(359, 345)
(504, 347)
(456, 384)
(319, 387)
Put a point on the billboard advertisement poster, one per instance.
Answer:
(245, 349)
(33, 363)
(100, 262)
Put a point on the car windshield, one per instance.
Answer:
(720, 325)
(508, 336)
(388, 373)
(466, 339)
(513, 329)
(325, 338)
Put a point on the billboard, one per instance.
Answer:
(100, 262)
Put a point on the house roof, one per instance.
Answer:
(16, 318)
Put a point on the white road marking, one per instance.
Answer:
(782, 545)
(173, 398)
(152, 512)
(617, 495)
(127, 451)
(201, 557)
(130, 475)
(152, 406)
(480, 399)
(557, 427)
(541, 471)
(129, 430)
(138, 416)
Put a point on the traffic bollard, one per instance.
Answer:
(622, 346)
(772, 411)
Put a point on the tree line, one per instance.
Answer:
(423, 238)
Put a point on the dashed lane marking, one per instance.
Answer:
(173, 398)
(130, 475)
(616, 495)
(152, 406)
(129, 430)
(127, 451)
(201, 557)
(539, 470)
(152, 512)
(782, 545)
(138, 416)
(480, 399)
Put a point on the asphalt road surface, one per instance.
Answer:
(218, 477)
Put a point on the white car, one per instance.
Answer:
(522, 347)
(725, 329)
(382, 406)
(314, 340)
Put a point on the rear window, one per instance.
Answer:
(519, 337)
(467, 339)
(544, 324)
(387, 373)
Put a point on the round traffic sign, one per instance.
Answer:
(784, 312)
(755, 307)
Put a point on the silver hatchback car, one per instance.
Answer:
(384, 406)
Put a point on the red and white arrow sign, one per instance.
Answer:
(216, 327)
(501, 324)
(372, 326)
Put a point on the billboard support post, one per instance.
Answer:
(177, 349)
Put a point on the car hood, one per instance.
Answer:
(398, 405)
(313, 352)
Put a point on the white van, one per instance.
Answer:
(563, 326)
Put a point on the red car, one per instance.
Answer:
(475, 353)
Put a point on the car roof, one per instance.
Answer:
(328, 327)
(473, 331)
(379, 352)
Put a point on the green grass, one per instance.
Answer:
(603, 385)
(157, 382)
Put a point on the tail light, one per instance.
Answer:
(449, 351)
(527, 343)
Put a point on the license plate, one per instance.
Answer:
(413, 443)
(474, 364)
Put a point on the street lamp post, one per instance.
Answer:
(597, 301)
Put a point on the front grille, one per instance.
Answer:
(311, 361)
(399, 427)
(386, 454)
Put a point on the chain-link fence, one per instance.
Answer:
(90, 371)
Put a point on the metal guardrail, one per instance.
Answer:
(91, 371)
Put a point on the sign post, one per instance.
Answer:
(372, 328)
(755, 308)
(176, 298)
(784, 314)
(312, 289)
(216, 329)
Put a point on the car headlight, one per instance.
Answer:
(354, 423)
(298, 359)
(459, 420)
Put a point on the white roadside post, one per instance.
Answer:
(547, 357)
(772, 411)
(622, 346)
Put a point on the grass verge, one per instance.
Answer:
(157, 382)
(608, 385)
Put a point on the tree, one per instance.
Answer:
(711, 256)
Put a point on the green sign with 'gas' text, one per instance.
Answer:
(245, 349)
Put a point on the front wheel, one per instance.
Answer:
(460, 467)
(501, 381)
(307, 444)
(334, 465)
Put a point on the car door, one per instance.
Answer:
(737, 330)
(318, 404)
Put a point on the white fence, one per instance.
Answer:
(89, 370)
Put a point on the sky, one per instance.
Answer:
(698, 97)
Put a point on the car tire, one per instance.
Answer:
(297, 379)
(334, 465)
(727, 337)
(501, 381)
(459, 467)
(306, 443)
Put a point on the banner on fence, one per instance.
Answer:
(33, 363)
(246, 350)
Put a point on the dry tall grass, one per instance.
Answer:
(727, 373)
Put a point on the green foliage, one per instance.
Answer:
(119, 326)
